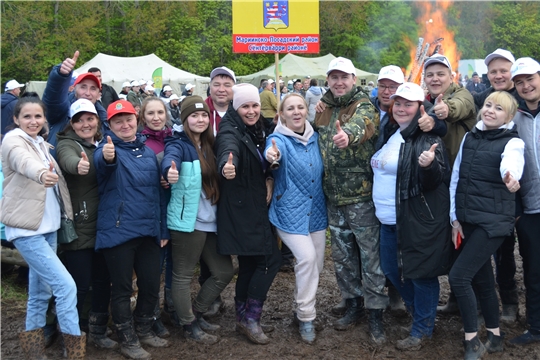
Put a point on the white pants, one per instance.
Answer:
(309, 253)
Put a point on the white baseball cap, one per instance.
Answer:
(290, 82)
(189, 86)
(409, 91)
(341, 64)
(271, 81)
(392, 72)
(525, 66)
(82, 105)
(437, 59)
(150, 82)
(126, 84)
(222, 71)
(135, 83)
(142, 82)
(12, 85)
(149, 88)
(174, 97)
(499, 53)
(167, 88)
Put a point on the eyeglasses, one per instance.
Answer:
(383, 88)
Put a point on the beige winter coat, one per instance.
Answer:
(23, 202)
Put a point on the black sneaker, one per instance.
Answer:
(528, 337)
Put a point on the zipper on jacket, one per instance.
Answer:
(120, 211)
(183, 207)
(427, 205)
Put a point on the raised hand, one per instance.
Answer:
(426, 157)
(273, 154)
(108, 150)
(49, 178)
(172, 175)
(511, 184)
(68, 65)
(341, 139)
(426, 122)
(229, 170)
(440, 108)
(84, 165)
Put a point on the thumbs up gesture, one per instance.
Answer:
(273, 154)
(426, 122)
(229, 170)
(511, 184)
(68, 65)
(108, 151)
(49, 178)
(426, 157)
(440, 108)
(84, 165)
(172, 174)
(341, 139)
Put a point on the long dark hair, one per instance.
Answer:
(17, 111)
(207, 159)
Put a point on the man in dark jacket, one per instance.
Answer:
(475, 86)
(9, 99)
(108, 94)
(58, 99)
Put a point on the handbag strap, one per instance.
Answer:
(61, 202)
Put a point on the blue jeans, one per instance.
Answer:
(421, 296)
(48, 276)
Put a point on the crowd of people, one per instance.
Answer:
(411, 183)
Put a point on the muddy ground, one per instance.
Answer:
(286, 343)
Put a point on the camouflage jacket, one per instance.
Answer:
(348, 177)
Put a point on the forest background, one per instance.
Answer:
(196, 35)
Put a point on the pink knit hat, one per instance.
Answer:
(243, 93)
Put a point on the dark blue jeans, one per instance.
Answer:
(473, 267)
(421, 296)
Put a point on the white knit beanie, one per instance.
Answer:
(243, 93)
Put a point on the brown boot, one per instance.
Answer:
(75, 346)
(33, 344)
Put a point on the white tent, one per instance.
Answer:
(116, 70)
(295, 67)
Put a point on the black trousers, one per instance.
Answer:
(256, 274)
(142, 255)
(506, 270)
(528, 229)
(88, 267)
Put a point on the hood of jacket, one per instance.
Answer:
(316, 90)
(344, 100)
(7, 98)
(304, 138)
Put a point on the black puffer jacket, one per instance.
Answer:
(422, 206)
(242, 221)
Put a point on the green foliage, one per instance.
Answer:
(197, 35)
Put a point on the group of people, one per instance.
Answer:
(411, 186)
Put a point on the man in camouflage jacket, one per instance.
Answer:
(348, 129)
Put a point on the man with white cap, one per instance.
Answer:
(58, 100)
(526, 76)
(174, 109)
(9, 99)
(498, 64)
(126, 86)
(222, 80)
(166, 93)
(188, 90)
(134, 97)
(347, 133)
(451, 103)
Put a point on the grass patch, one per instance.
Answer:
(13, 295)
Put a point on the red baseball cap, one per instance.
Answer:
(120, 107)
(89, 76)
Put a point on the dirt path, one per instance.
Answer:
(286, 343)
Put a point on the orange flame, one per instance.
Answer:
(433, 27)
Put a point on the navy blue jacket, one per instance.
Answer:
(58, 100)
(8, 104)
(132, 201)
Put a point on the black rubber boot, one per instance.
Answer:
(97, 327)
(494, 343)
(157, 327)
(206, 326)
(376, 327)
(130, 346)
(474, 349)
(354, 313)
(143, 328)
(194, 332)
